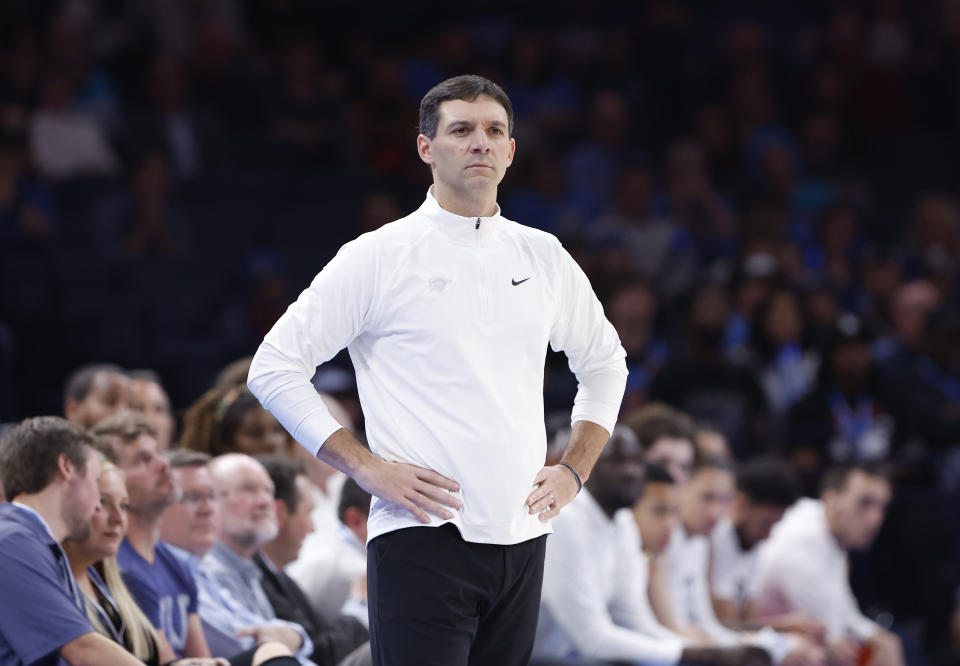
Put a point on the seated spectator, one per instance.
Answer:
(147, 395)
(229, 419)
(161, 585)
(848, 416)
(803, 567)
(685, 605)
(353, 512)
(248, 521)
(332, 641)
(109, 605)
(50, 474)
(595, 544)
(765, 490)
(190, 529)
(27, 208)
(787, 370)
(666, 437)
(711, 443)
(657, 511)
(94, 392)
(707, 386)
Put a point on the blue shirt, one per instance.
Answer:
(165, 590)
(223, 614)
(41, 610)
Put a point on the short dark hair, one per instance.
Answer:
(30, 451)
(836, 477)
(654, 473)
(352, 495)
(146, 375)
(711, 462)
(651, 422)
(81, 380)
(467, 87)
(180, 458)
(284, 472)
(769, 481)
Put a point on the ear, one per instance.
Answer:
(283, 513)
(65, 467)
(513, 151)
(70, 409)
(424, 146)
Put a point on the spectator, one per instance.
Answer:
(190, 529)
(596, 544)
(804, 565)
(353, 511)
(332, 641)
(94, 392)
(230, 419)
(657, 511)
(27, 208)
(765, 490)
(705, 385)
(50, 474)
(248, 521)
(147, 395)
(666, 437)
(161, 585)
(711, 443)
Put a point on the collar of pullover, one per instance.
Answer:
(459, 229)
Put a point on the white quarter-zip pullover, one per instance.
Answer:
(447, 321)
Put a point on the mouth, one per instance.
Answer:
(112, 535)
(480, 166)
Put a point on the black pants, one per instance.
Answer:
(437, 600)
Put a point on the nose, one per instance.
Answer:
(479, 142)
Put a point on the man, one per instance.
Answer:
(191, 527)
(765, 490)
(148, 396)
(666, 436)
(332, 641)
(446, 315)
(50, 473)
(595, 578)
(684, 605)
(248, 521)
(160, 584)
(803, 567)
(657, 511)
(95, 392)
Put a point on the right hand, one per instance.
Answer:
(842, 652)
(416, 489)
(279, 633)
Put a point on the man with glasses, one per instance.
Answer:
(191, 527)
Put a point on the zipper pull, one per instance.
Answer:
(478, 224)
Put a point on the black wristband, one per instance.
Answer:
(575, 475)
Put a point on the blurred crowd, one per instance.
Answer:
(763, 194)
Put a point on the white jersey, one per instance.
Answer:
(447, 320)
(801, 567)
(733, 572)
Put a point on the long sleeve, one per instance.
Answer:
(592, 346)
(326, 317)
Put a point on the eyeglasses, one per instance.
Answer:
(196, 498)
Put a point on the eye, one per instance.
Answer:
(460, 131)
(124, 507)
(497, 130)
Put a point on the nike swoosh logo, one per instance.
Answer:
(515, 282)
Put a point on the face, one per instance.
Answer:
(631, 311)
(148, 475)
(148, 397)
(706, 499)
(259, 432)
(192, 522)
(295, 526)
(617, 478)
(249, 518)
(108, 395)
(856, 512)
(82, 498)
(784, 323)
(109, 522)
(755, 521)
(472, 149)
(673, 454)
(657, 512)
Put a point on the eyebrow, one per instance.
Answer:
(470, 123)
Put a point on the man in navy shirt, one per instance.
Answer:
(50, 473)
(162, 586)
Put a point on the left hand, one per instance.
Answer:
(556, 487)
